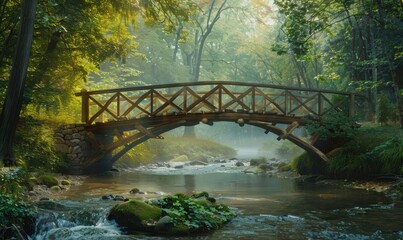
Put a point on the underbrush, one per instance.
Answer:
(372, 152)
(34, 145)
(163, 150)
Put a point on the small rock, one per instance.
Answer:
(65, 182)
(134, 191)
(119, 198)
(222, 165)
(239, 164)
(55, 188)
(179, 166)
(197, 163)
(164, 224)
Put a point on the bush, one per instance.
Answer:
(34, 145)
(194, 215)
(12, 181)
(333, 125)
(390, 153)
(387, 111)
(307, 163)
(15, 212)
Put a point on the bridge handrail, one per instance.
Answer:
(202, 83)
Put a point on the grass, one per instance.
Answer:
(373, 151)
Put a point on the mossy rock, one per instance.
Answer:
(134, 191)
(254, 170)
(284, 167)
(55, 188)
(65, 182)
(181, 158)
(134, 214)
(258, 161)
(48, 180)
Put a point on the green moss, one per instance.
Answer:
(48, 180)
(308, 164)
(181, 158)
(284, 167)
(55, 188)
(65, 182)
(180, 229)
(134, 213)
(258, 161)
(171, 147)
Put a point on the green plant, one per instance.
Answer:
(333, 125)
(195, 214)
(14, 211)
(12, 181)
(387, 111)
(307, 163)
(390, 154)
(34, 145)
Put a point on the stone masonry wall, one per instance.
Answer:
(71, 141)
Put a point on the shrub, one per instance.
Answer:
(387, 111)
(307, 163)
(194, 215)
(15, 212)
(12, 181)
(390, 153)
(34, 145)
(333, 125)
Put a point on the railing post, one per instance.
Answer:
(152, 102)
(253, 99)
(84, 106)
(320, 104)
(118, 105)
(220, 98)
(286, 103)
(351, 111)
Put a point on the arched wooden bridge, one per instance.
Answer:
(130, 116)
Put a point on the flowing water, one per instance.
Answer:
(270, 207)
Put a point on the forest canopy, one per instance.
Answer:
(343, 45)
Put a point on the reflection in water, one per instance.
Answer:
(272, 208)
(189, 184)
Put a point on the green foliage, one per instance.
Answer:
(308, 164)
(333, 125)
(371, 152)
(14, 211)
(284, 167)
(387, 111)
(12, 181)
(390, 155)
(34, 146)
(195, 215)
(171, 147)
(48, 180)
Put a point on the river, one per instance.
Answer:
(270, 207)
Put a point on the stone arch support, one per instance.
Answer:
(71, 141)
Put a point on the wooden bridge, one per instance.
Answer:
(119, 119)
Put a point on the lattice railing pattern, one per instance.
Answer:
(209, 97)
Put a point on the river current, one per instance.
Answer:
(270, 207)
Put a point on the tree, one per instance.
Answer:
(361, 41)
(13, 102)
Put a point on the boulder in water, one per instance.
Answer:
(136, 215)
(239, 164)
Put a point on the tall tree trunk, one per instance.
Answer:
(12, 104)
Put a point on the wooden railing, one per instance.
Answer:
(207, 97)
